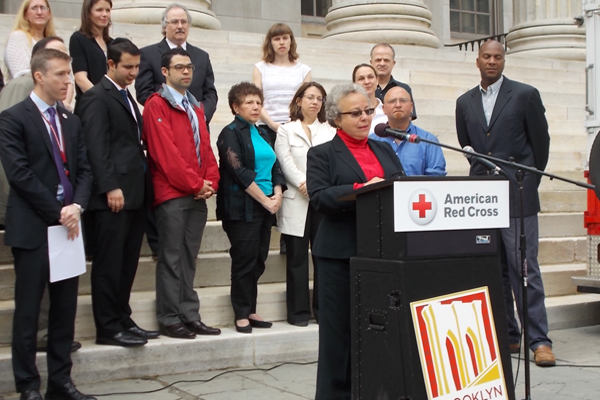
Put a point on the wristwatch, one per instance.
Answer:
(81, 209)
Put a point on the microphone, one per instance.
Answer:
(383, 130)
(485, 162)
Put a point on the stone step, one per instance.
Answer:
(563, 241)
(565, 201)
(215, 301)
(93, 363)
(561, 225)
(283, 342)
(557, 276)
(563, 250)
(573, 311)
(215, 309)
(212, 269)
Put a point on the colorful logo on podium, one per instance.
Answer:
(422, 206)
(458, 346)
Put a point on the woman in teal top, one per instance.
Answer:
(250, 193)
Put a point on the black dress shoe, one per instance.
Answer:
(201, 329)
(124, 339)
(144, 334)
(298, 323)
(42, 346)
(259, 324)
(66, 392)
(243, 329)
(31, 395)
(178, 331)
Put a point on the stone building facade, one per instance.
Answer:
(543, 28)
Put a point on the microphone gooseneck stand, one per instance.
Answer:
(518, 179)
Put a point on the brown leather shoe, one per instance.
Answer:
(544, 357)
(515, 348)
(201, 329)
(178, 331)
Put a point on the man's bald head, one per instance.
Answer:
(490, 62)
(397, 106)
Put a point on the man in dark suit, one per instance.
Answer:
(176, 22)
(113, 124)
(17, 90)
(505, 119)
(43, 153)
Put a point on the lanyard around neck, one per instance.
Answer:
(59, 141)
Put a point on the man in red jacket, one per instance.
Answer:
(184, 173)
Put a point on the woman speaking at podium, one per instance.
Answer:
(348, 162)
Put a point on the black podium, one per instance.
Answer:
(428, 313)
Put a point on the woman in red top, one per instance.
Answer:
(349, 161)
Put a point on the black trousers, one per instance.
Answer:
(249, 251)
(334, 368)
(32, 272)
(118, 238)
(297, 292)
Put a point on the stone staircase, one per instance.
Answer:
(437, 77)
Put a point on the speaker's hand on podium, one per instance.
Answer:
(374, 180)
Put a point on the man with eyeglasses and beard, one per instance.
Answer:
(184, 174)
(416, 158)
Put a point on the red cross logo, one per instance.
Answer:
(422, 206)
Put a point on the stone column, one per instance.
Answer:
(546, 29)
(405, 22)
(149, 12)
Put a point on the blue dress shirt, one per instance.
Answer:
(418, 158)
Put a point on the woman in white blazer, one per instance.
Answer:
(296, 220)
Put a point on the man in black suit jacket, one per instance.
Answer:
(43, 153)
(113, 124)
(505, 119)
(176, 22)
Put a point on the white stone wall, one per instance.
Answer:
(257, 16)
(60, 8)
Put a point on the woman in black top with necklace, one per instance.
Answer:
(88, 45)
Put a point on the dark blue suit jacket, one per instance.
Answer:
(28, 160)
(518, 129)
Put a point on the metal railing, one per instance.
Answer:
(479, 41)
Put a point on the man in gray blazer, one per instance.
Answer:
(176, 22)
(505, 119)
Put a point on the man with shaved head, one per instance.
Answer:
(505, 119)
(416, 158)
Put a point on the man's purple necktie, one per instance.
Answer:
(60, 166)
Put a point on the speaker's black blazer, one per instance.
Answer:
(332, 171)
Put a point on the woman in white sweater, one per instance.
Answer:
(33, 22)
(296, 220)
(279, 75)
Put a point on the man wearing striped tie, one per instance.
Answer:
(185, 174)
(112, 128)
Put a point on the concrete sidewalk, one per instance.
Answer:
(576, 376)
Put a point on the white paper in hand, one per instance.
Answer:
(67, 257)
